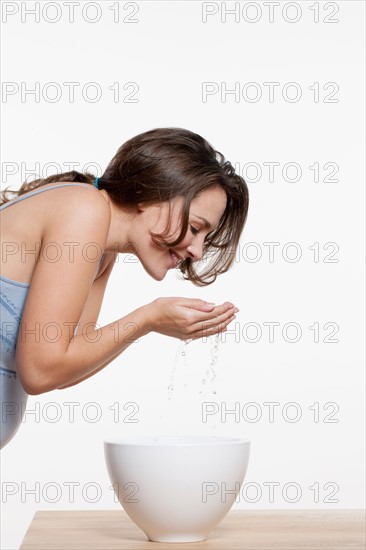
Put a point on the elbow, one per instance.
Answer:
(35, 387)
(33, 390)
(37, 369)
(34, 381)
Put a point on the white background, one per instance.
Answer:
(169, 53)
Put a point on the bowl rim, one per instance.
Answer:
(137, 441)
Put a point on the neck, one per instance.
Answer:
(118, 234)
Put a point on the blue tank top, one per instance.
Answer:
(13, 294)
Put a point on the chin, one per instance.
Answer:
(156, 270)
(155, 274)
(161, 278)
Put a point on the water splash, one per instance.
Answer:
(180, 356)
(210, 374)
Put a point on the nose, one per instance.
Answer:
(195, 251)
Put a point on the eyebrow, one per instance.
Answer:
(207, 223)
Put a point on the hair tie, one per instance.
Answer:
(96, 183)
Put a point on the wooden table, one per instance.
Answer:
(239, 530)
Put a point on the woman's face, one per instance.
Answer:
(208, 207)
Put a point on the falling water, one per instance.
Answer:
(180, 356)
(210, 374)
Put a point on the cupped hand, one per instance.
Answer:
(188, 318)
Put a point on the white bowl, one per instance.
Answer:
(176, 489)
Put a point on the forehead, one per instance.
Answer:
(210, 204)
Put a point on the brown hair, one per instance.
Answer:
(164, 163)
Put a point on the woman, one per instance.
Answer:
(167, 197)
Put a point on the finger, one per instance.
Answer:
(218, 311)
(214, 321)
(214, 329)
(196, 304)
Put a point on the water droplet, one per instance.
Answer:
(210, 374)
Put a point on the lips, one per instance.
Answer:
(175, 259)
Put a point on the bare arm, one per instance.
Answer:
(48, 354)
(116, 337)
(91, 312)
(91, 374)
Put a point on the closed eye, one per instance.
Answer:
(194, 230)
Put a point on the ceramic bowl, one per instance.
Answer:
(177, 488)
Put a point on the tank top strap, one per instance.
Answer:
(39, 190)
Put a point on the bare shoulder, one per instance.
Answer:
(81, 220)
(78, 203)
